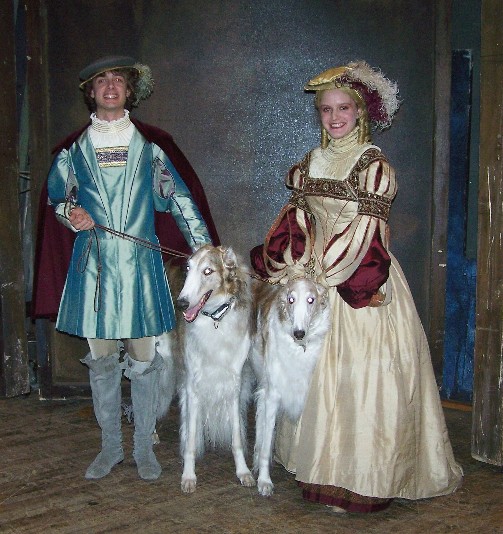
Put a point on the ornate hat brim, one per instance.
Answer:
(379, 93)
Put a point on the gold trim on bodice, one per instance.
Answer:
(368, 203)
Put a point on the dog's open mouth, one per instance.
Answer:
(191, 314)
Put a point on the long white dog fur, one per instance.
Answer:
(291, 323)
(216, 379)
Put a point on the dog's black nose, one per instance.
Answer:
(182, 304)
(299, 334)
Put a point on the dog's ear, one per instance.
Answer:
(282, 301)
(323, 294)
(200, 246)
(229, 257)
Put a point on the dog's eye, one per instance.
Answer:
(208, 271)
(291, 300)
(310, 300)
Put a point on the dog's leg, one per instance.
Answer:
(259, 427)
(189, 478)
(242, 471)
(268, 422)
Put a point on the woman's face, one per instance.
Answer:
(338, 113)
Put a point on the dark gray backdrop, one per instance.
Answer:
(229, 78)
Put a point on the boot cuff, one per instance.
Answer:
(103, 365)
(135, 368)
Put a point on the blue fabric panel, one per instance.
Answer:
(461, 271)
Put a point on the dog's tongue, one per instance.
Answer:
(191, 313)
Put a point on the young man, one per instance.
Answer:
(105, 183)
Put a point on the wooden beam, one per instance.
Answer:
(38, 105)
(440, 189)
(38, 87)
(487, 431)
(14, 376)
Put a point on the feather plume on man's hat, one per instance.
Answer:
(143, 86)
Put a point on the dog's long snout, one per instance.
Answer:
(299, 334)
(182, 304)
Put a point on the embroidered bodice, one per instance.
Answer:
(341, 197)
(344, 171)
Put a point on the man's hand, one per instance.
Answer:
(80, 219)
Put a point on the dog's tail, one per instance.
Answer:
(248, 385)
(167, 380)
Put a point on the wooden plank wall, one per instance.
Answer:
(14, 378)
(440, 193)
(40, 157)
(487, 434)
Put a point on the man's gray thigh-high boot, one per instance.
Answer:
(144, 378)
(105, 376)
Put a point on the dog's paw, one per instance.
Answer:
(265, 488)
(189, 484)
(247, 480)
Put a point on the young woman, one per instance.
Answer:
(372, 427)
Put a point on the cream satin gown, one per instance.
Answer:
(373, 422)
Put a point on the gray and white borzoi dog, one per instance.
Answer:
(292, 321)
(216, 378)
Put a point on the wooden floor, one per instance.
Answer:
(46, 446)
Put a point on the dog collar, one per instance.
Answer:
(220, 312)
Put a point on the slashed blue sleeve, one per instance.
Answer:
(173, 196)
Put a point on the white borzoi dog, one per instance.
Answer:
(216, 382)
(292, 321)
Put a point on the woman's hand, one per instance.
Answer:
(376, 300)
(80, 219)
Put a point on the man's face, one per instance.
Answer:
(110, 92)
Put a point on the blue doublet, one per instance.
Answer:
(130, 298)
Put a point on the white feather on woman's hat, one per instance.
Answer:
(379, 93)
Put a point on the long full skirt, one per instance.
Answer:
(373, 422)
